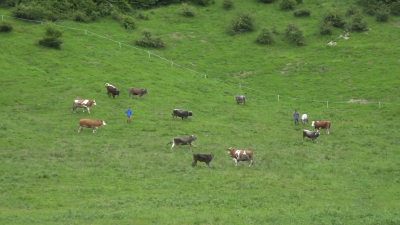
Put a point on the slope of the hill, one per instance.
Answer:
(126, 174)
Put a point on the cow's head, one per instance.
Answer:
(316, 134)
(103, 123)
(144, 91)
(93, 102)
(312, 123)
(193, 137)
(107, 84)
(117, 92)
(230, 149)
(190, 113)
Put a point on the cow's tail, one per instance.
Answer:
(169, 143)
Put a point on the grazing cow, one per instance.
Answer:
(89, 123)
(111, 90)
(183, 141)
(241, 155)
(202, 158)
(81, 103)
(310, 134)
(240, 99)
(304, 119)
(181, 113)
(321, 125)
(137, 91)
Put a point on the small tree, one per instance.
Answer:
(188, 10)
(325, 28)
(358, 23)
(51, 37)
(302, 13)
(148, 41)
(5, 26)
(395, 8)
(265, 37)
(334, 17)
(382, 13)
(294, 34)
(227, 4)
(287, 5)
(242, 22)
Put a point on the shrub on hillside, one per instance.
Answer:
(5, 26)
(382, 13)
(266, 1)
(265, 37)
(357, 23)
(325, 28)
(80, 16)
(187, 10)
(395, 8)
(242, 22)
(351, 10)
(299, 1)
(203, 2)
(227, 4)
(148, 41)
(142, 16)
(128, 22)
(334, 17)
(302, 13)
(52, 36)
(31, 11)
(294, 34)
(287, 5)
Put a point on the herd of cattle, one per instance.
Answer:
(237, 155)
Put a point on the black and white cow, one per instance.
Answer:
(310, 134)
(181, 113)
(183, 141)
(202, 158)
(240, 99)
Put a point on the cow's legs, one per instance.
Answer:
(193, 145)
(208, 164)
(194, 163)
(236, 162)
(173, 144)
(250, 162)
(88, 109)
(79, 129)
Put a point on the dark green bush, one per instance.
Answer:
(266, 1)
(227, 4)
(299, 1)
(382, 13)
(242, 22)
(5, 26)
(52, 36)
(351, 10)
(287, 5)
(80, 16)
(31, 11)
(325, 28)
(142, 16)
(202, 2)
(357, 23)
(302, 13)
(188, 10)
(148, 41)
(334, 17)
(128, 22)
(294, 34)
(265, 37)
(395, 8)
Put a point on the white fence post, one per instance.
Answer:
(2, 17)
(41, 22)
(240, 86)
(278, 97)
(85, 32)
(149, 53)
(205, 76)
(119, 43)
(326, 104)
(172, 63)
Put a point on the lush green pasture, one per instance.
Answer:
(125, 174)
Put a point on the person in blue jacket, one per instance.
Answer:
(128, 113)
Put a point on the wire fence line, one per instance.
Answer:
(199, 73)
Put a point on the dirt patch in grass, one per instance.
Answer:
(245, 73)
(360, 101)
(175, 36)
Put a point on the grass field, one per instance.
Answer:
(125, 174)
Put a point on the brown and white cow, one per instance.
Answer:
(321, 125)
(89, 123)
(111, 90)
(241, 155)
(82, 103)
(137, 91)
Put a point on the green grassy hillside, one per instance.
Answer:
(126, 174)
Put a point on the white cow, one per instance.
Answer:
(304, 119)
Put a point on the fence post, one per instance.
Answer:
(240, 86)
(326, 104)
(119, 43)
(85, 32)
(379, 104)
(149, 53)
(41, 22)
(278, 97)
(205, 76)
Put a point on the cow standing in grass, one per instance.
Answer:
(202, 158)
(183, 141)
(304, 119)
(82, 103)
(181, 113)
(240, 99)
(89, 123)
(137, 91)
(241, 155)
(321, 125)
(310, 134)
